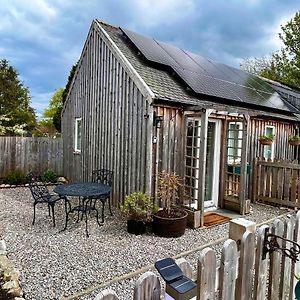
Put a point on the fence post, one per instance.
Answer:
(254, 180)
(107, 295)
(244, 280)
(296, 266)
(261, 267)
(275, 258)
(206, 277)
(147, 287)
(228, 270)
(185, 267)
(286, 262)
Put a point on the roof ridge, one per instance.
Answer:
(106, 23)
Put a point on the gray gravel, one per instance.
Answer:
(55, 264)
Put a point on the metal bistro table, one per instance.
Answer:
(86, 192)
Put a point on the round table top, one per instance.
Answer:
(82, 189)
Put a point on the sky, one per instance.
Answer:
(42, 39)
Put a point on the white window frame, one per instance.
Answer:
(77, 147)
(232, 161)
(271, 147)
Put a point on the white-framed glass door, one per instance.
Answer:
(212, 173)
(193, 161)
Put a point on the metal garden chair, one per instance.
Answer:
(106, 177)
(41, 194)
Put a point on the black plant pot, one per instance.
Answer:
(169, 227)
(136, 227)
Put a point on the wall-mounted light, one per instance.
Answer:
(157, 120)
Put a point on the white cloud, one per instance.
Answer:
(40, 101)
(153, 13)
(273, 42)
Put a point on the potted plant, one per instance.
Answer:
(170, 221)
(266, 139)
(138, 208)
(294, 140)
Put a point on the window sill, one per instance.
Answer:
(77, 152)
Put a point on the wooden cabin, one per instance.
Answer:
(138, 106)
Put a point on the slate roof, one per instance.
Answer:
(168, 87)
(291, 95)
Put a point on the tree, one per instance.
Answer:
(51, 116)
(283, 65)
(68, 85)
(16, 115)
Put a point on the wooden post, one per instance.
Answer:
(228, 270)
(261, 267)
(223, 163)
(254, 181)
(286, 262)
(275, 260)
(243, 178)
(296, 266)
(244, 281)
(202, 167)
(206, 277)
(147, 287)
(107, 295)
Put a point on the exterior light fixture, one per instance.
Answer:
(157, 120)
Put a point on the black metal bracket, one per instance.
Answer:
(271, 244)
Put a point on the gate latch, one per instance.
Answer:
(271, 244)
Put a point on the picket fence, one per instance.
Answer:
(241, 274)
(30, 154)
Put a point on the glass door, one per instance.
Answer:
(193, 161)
(212, 163)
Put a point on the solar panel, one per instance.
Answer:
(150, 48)
(207, 77)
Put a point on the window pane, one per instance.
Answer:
(77, 134)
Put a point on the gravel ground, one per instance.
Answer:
(55, 264)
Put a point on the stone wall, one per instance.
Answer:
(9, 277)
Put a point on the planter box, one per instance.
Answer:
(236, 169)
(266, 142)
(294, 143)
(193, 218)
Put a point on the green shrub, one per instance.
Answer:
(49, 176)
(138, 206)
(15, 177)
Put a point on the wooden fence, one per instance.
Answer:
(276, 182)
(239, 275)
(31, 154)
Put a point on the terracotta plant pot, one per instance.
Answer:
(170, 227)
(136, 227)
(294, 143)
(266, 142)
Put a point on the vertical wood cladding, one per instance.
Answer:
(115, 117)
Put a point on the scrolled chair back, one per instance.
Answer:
(103, 176)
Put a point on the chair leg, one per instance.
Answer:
(67, 215)
(33, 213)
(109, 205)
(52, 208)
(97, 217)
(86, 225)
(103, 202)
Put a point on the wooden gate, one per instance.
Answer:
(276, 182)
